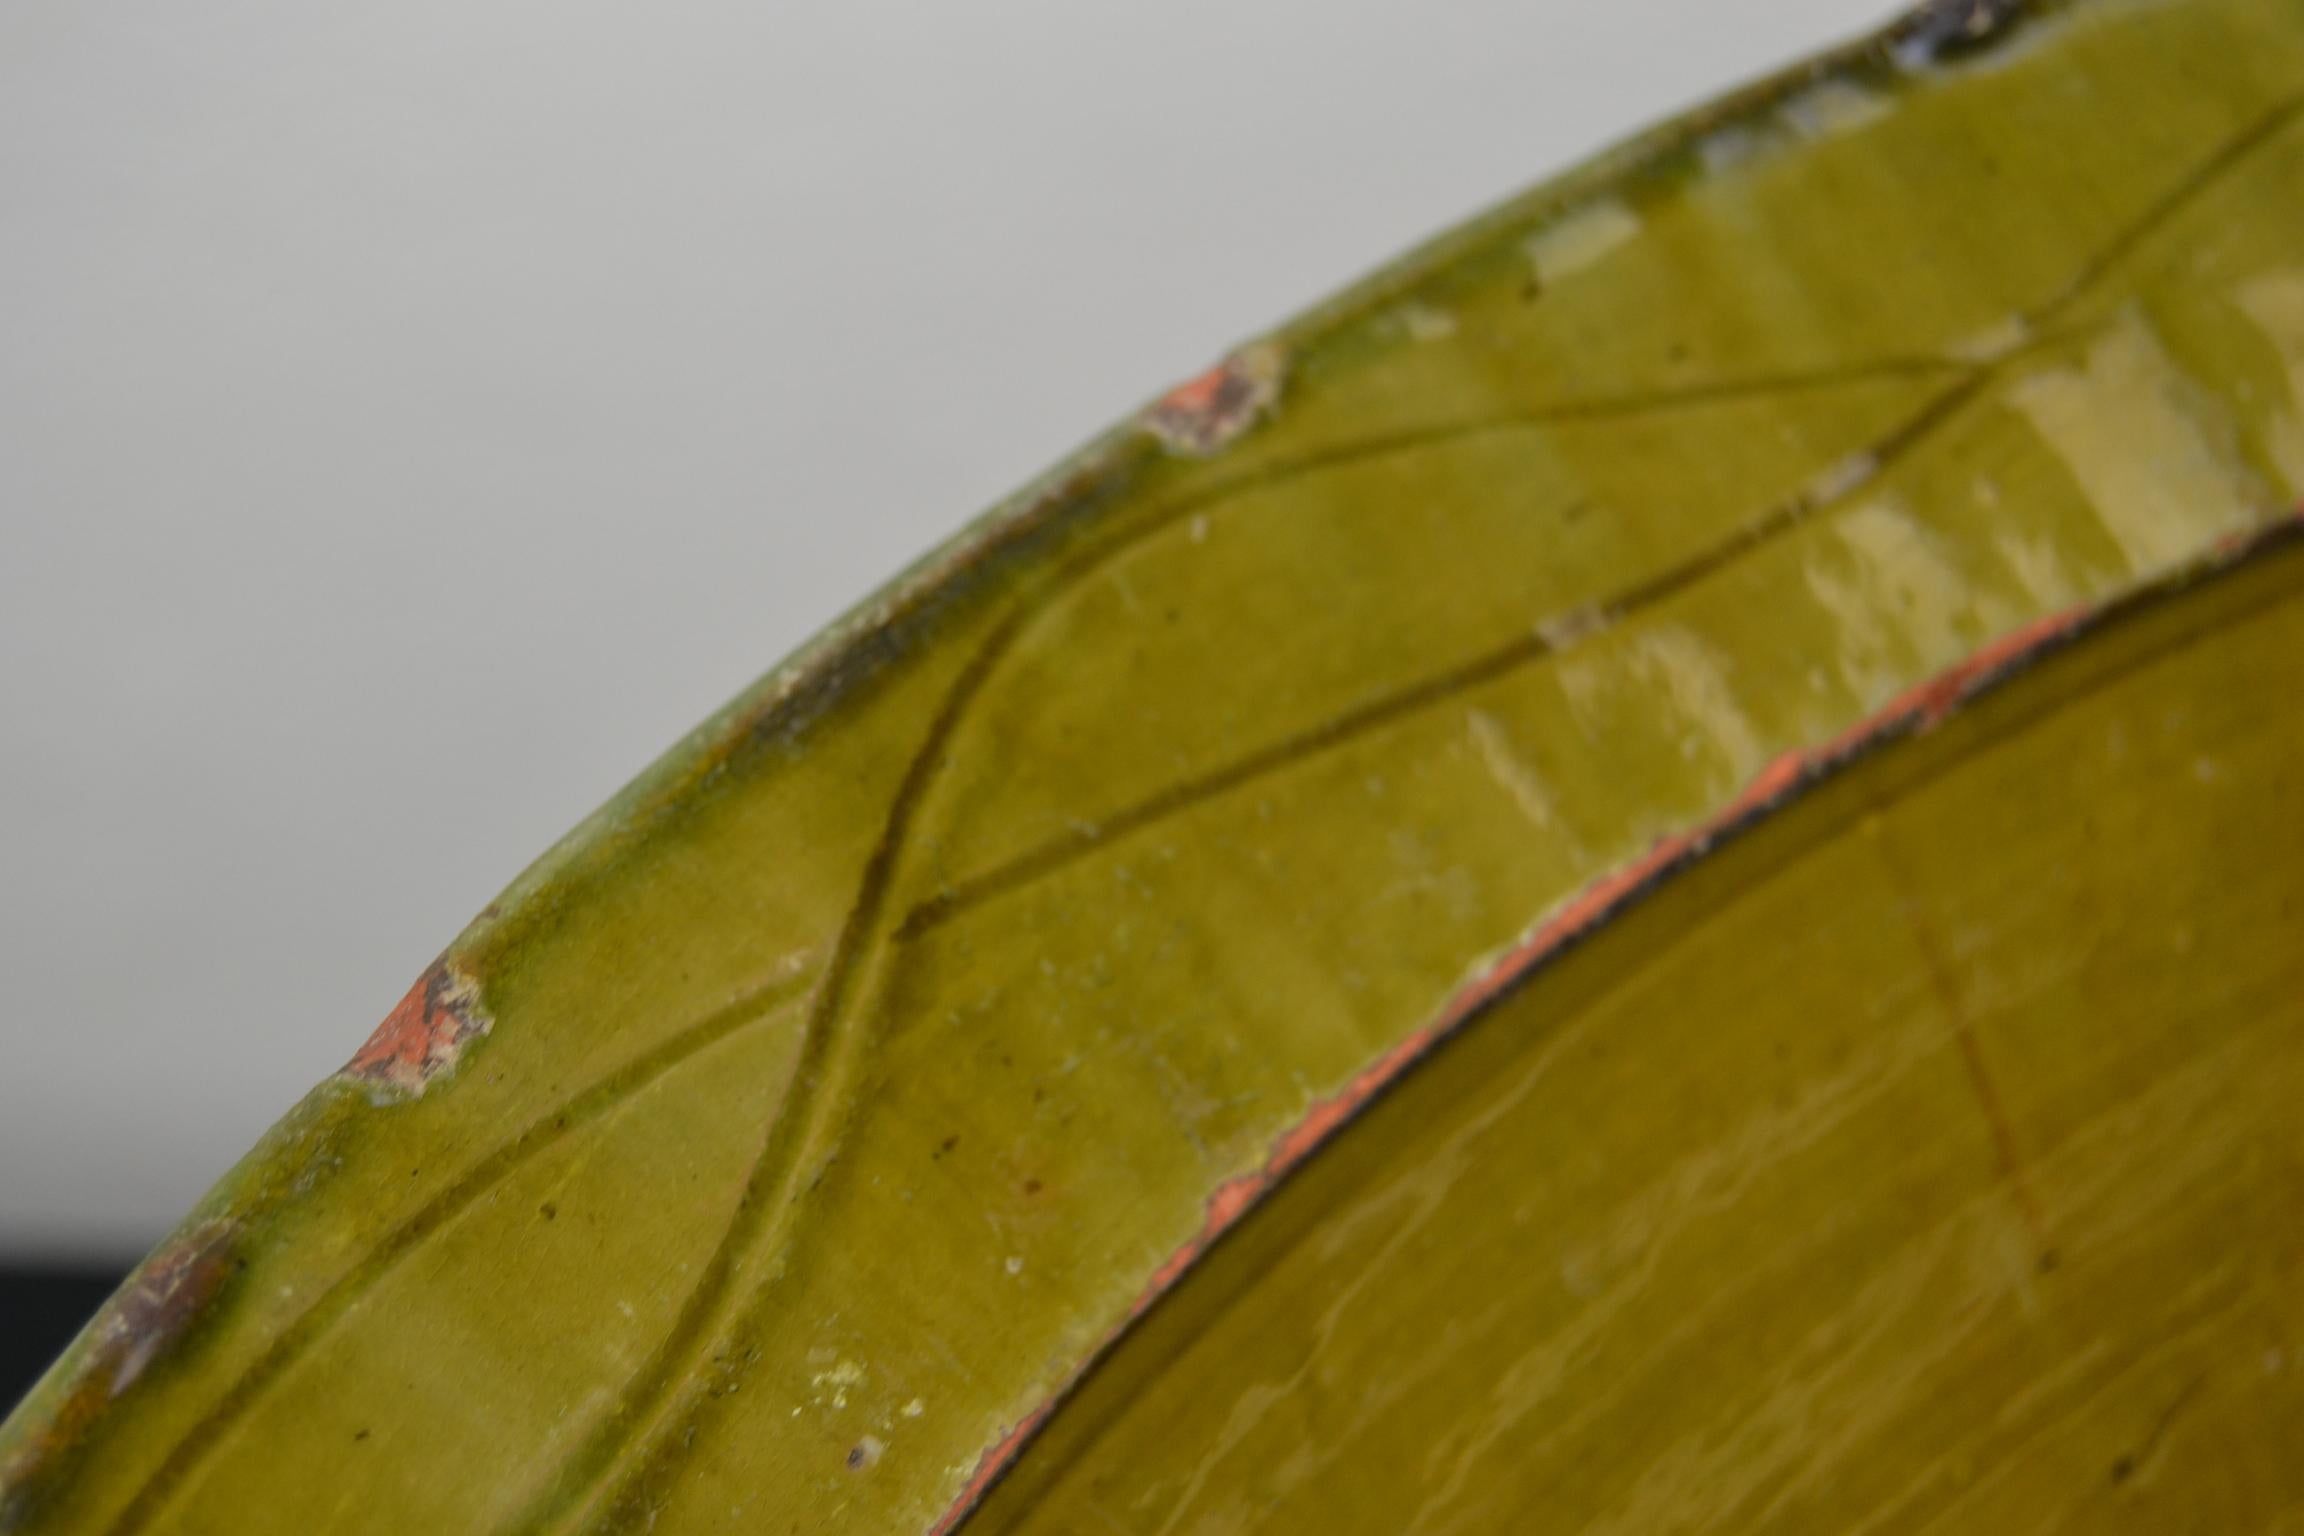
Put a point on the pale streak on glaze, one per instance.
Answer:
(2274, 302)
(2038, 568)
(2133, 431)
(1581, 237)
(1897, 600)
(1833, 107)
(1694, 682)
(1509, 769)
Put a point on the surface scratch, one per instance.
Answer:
(2007, 1153)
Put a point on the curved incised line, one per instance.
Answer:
(2188, 188)
(796, 1149)
(314, 1322)
(1079, 840)
(798, 1145)
(797, 1141)
(1631, 405)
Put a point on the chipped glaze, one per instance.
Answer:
(1204, 414)
(424, 1035)
(138, 1328)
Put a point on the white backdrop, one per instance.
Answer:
(414, 416)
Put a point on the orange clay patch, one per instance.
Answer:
(1204, 415)
(424, 1034)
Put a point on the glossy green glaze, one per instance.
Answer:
(778, 1148)
(1925, 1159)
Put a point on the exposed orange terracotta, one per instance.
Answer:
(424, 1033)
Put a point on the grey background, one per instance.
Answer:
(414, 416)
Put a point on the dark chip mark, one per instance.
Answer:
(1941, 30)
(144, 1322)
(2128, 1463)
(147, 1318)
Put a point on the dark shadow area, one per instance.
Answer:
(41, 1307)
